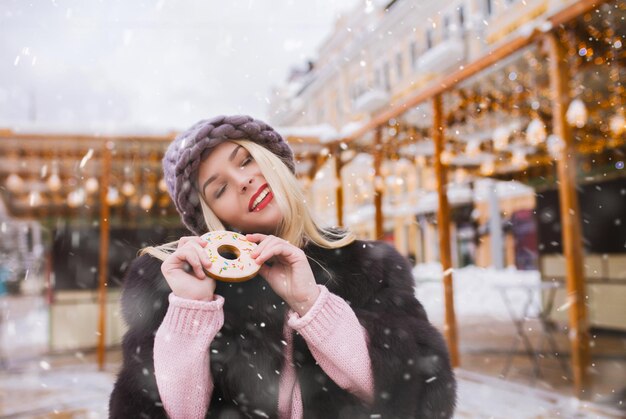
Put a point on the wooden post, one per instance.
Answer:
(104, 250)
(339, 188)
(570, 216)
(378, 186)
(443, 222)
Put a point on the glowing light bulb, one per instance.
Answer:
(536, 132)
(446, 157)
(162, 185)
(519, 158)
(34, 199)
(91, 185)
(113, 196)
(76, 198)
(15, 183)
(577, 114)
(54, 182)
(128, 189)
(617, 123)
(146, 202)
(555, 146)
(501, 138)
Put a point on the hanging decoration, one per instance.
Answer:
(577, 114)
(501, 138)
(617, 123)
(536, 132)
(555, 145)
(91, 185)
(15, 183)
(146, 202)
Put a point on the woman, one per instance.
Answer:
(329, 328)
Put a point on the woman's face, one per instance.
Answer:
(234, 188)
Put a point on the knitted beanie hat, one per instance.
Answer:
(184, 155)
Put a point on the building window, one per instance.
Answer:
(429, 38)
(461, 19)
(339, 107)
(387, 76)
(446, 27)
(488, 7)
(378, 77)
(399, 65)
(413, 55)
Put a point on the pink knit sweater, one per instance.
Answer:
(330, 328)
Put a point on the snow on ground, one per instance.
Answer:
(76, 391)
(475, 292)
(481, 396)
(81, 391)
(24, 325)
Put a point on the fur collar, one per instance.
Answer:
(405, 349)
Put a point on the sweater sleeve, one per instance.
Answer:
(338, 343)
(181, 355)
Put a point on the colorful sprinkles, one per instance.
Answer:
(227, 269)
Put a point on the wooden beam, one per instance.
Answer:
(443, 224)
(378, 183)
(339, 187)
(570, 216)
(104, 251)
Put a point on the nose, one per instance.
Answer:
(244, 183)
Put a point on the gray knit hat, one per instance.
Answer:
(184, 155)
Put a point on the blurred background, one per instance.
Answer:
(484, 139)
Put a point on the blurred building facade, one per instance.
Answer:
(384, 50)
(497, 125)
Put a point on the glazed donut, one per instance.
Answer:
(229, 253)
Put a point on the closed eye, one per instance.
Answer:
(220, 191)
(246, 161)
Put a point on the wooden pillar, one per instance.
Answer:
(570, 216)
(339, 187)
(443, 221)
(378, 183)
(104, 251)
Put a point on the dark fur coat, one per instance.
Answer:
(411, 367)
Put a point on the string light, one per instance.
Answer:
(536, 132)
(146, 202)
(15, 183)
(577, 114)
(501, 138)
(54, 182)
(91, 185)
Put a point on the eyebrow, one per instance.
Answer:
(213, 177)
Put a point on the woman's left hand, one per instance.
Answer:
(290, 275)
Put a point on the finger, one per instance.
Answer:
(277, 249)
(202, 253)
(267, 241)
(191, 256)
(256, 237)
(186, 239)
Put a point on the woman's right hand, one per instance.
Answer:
(184, 272)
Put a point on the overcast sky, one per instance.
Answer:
(150, 66)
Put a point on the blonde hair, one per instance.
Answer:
(297, 225)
